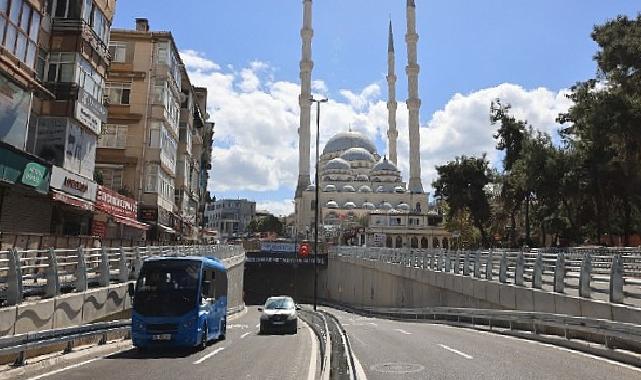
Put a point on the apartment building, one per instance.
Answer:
(230, 217)
(153, 145)
(53, 63)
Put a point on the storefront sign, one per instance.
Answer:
(113, 203)
(149, 214)
(98, 228)
(18, 167)
(90, 112)
(269, 246)
(73, 184)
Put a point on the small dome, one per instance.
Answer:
(350, 205)
(311, 187)
(330, 188)
(403, 207)
(346, 140)
(357, 154)
(362, 177)
(399, 189)
(386, 206)
(337, 164)
(369, 206)
(380, 189)
(349, 188)
(365, 189)
(385, 165)
(332, 204)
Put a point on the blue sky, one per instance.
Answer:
(468, 48)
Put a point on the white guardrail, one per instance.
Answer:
(612, 274)
(47, 273)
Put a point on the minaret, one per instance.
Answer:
(413, 101)
(306, 65)
(392, 133)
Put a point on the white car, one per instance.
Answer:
(279, 314)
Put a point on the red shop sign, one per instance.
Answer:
(115, 204)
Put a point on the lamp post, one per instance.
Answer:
(316, 211)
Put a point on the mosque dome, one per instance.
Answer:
(365, 189)
(349, 188)
(369, 206)
(346, 140)
(399, 189)
(380, 189)
(386, 206)
(385, 165)
(311, 187)
(350, 205)
(362, 177)
(330, 188)
(403, 207)
(332, 204)
(357, 154)
(337, 164)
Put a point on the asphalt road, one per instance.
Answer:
(243, 355)
(412, 350)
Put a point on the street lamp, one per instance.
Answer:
(318, 103)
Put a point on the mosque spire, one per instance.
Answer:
(392, 133)
(306, 66)
(413, 101)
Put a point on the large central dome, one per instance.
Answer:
(346, 140)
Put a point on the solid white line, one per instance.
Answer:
(257, 325)
(209, 355)
(244, 335)
(463, 354)
(311, 374)
(403, 331)
(360, 373)
(72, 366)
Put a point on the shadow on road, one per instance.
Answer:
(155, 353)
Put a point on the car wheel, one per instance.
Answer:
(223, 330)
(203, 338)
(294, 329)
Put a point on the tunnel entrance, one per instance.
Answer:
(263, 280)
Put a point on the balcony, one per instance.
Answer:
(80, 26)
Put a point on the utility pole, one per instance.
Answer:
(316, 211)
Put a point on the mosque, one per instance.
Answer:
(363, 195)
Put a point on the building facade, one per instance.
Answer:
(156, 141)
(230, 217)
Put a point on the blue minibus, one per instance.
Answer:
(179, 302)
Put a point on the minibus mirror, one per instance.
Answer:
(131, 289)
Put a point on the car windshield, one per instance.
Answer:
(279, 303)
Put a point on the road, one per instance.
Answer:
(412, 350)
(243, 355)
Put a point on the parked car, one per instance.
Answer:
(279, 315)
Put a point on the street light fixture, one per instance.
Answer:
(316, 211)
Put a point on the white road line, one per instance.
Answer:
(311, 374)
(237, 326)
(360, 373)
(72, 366)
(463, 354)
(403, 332)
(244, 335)
(209, 355)
(257, 325)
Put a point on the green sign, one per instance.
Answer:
(33, 174)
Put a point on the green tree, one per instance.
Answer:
(461, 183)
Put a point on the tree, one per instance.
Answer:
(461, 183)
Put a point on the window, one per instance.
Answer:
(19, 27)
(112, 177)
(160, 138)
(118, 51)
(151, 178)
(113, 136)
(89, 79)
(118, 93)
(61, 67)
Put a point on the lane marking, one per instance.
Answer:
(257, 325)
(311, 374)
(360, 372)
(209, 355)
(463, 354)
(244, 335)
(237, 326)
(403, 332)
(72, 366)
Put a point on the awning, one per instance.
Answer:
(130, 222)
(71, 200)
(166, 229)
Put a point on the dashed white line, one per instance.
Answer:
(209, 355)
(403, 332)
(72, 366)
(237, 326)
(463, 354)
(244, 335)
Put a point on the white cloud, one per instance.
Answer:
(256, 139)
(279, 207)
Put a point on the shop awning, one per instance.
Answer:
(130, 222)
(166, 229)
(71, 200)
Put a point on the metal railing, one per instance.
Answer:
(47, 273)
(612, 275)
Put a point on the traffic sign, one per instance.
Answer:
(303, 250)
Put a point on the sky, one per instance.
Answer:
(247, 53)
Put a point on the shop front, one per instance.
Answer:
(161, 221)
(74, 197)
(116, 217)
